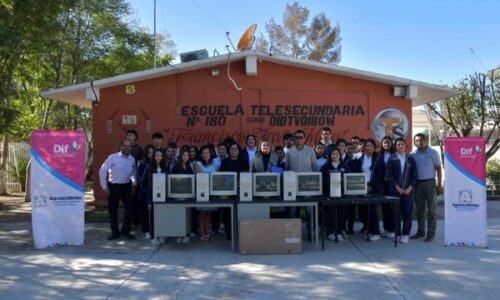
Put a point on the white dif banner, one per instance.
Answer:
(57, 179)
(465, 192)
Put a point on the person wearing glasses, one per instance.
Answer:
(300, 158)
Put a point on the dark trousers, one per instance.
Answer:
(405, 211)
(226, 215)
(335, 223)
(120, 192)
(350, 214)
(136, 210)
(194, 221)
(374, 222)
(144, 209)
(151, 209)
(388, 217)
(215, 220)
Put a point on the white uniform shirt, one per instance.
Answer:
(120, 168)
(365, 168)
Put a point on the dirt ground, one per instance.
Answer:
(14, 209)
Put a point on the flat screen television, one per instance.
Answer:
(181, 186)
(266, 185)
(309, 184)
(355, 184)
(223, 184)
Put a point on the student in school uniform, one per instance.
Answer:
(402, 175)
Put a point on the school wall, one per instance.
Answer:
(195, 108)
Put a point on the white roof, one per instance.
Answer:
(78, 94)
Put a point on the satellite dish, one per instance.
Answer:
(247, 39)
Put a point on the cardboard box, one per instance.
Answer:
(270, 236)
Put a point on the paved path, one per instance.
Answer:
(353, 269)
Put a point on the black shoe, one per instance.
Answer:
(129, 236)
(350, 231)
(417, 236)
(429, 238)
(363, 230)
(113, 237)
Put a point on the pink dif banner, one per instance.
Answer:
(63, 151)
(468, 154)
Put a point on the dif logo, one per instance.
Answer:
(470, 152)
(465, 151)
(60, 149)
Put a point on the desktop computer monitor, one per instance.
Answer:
(266, 185)
(181, 186)
(355, 184)
(223, 184)
(309, 184)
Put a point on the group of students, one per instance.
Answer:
(390, 170)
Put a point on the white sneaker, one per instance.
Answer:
(147, 235)
(389, 235)
(404, 239)
(185, 239)
(192, 235)
(178, 240)
(374, 237)
(331, 237)
(222, 229)
(340, 238)
(155, 241)
(345, 235)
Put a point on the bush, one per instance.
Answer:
(22, 164)
(493, 173)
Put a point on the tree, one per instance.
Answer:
(475, 111)
(46, 45)
(319, 41)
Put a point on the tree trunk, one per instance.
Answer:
(3, 164)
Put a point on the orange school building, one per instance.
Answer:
(245, 93)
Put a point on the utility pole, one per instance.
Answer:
(154, 35)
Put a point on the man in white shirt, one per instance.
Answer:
(117, 177)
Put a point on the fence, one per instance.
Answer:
(19, 155)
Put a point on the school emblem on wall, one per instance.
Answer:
(391, 122)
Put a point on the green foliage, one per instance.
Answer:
(493, 169)
(493, 174)
(319, 41)
(20, 172)
(51, 44)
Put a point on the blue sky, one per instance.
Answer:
(428, 40)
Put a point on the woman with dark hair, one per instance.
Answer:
(206, 164)
(402, 175)
(182, 166)
(143, 189)
(232, 163)
(157, 166)
(265, 159)
(335, 225)
(368, 164)
(387, 149)
(193, 156)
